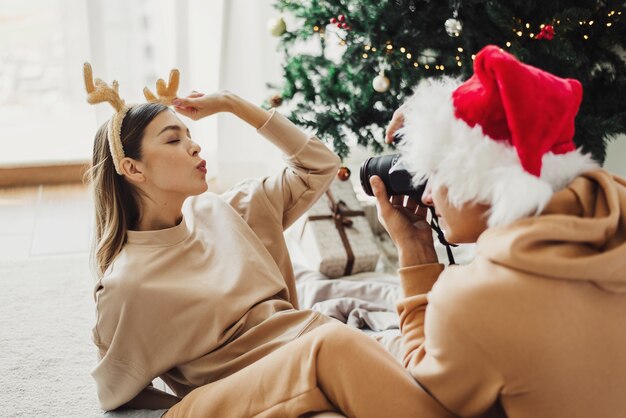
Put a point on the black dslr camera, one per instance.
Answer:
(398, 181)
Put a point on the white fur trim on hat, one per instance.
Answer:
(473, 166)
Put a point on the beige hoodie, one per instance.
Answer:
(537, 321)
(200, 301)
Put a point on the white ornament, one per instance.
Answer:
(277, 26)
(381, 83)
(453, 27)
(428, 56)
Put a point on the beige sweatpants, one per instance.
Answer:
(332, 368)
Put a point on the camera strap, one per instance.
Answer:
(434, 224)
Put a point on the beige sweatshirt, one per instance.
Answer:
(199, 301)
(537, 320)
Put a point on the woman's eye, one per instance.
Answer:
(173, 141)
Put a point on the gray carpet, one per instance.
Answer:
(46, 353)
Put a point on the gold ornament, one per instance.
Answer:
(343, 173)
(276, 100)
(277, 26)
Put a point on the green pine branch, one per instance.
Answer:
(337, 98)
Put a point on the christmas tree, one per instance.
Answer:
(371, 54)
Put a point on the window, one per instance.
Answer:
(44, 115)
(39, 112)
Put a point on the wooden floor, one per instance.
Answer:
(48, 220)
(45, 220)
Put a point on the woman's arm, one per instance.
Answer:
(197, 106)
(311, 166)
(246, 111)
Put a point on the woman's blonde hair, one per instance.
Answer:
(116, 202)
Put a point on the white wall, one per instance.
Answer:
(249, 60)
(199, 62)
(183, 34)
(616, 156)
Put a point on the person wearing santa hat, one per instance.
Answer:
(535, 325)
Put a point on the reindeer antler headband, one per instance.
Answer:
(98, 92)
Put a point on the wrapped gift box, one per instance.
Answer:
(336, 237)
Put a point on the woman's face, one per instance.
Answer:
(460, 225)
(171, 161)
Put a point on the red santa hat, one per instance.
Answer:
(503, 137)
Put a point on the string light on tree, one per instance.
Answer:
(398, 39)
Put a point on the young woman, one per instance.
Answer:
(535, 325)
(198, 288)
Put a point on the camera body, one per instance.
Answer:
(398, 181)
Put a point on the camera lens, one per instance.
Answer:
(397, 180)
(377, 166)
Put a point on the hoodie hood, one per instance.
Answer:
(580, 235)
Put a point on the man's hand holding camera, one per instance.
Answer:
(406, 224)
(397, 121)
(403, 215)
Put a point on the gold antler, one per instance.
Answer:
(98, 91)
(166, 93)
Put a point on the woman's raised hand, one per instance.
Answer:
(199, 105)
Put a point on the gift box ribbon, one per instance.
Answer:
(340, 213)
